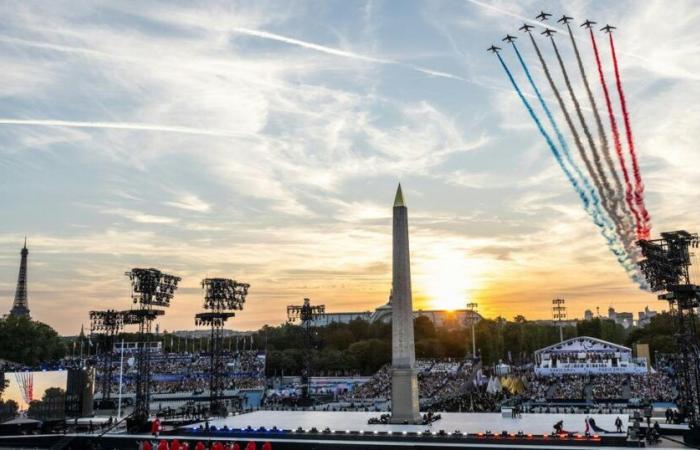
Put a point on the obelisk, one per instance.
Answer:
(404, 380)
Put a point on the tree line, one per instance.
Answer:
(358, 347)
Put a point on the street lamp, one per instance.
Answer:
(559, 315)
(472, 319)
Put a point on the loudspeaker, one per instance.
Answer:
(80, 392)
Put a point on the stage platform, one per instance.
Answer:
(450, 422)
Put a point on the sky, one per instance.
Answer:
(264, 141)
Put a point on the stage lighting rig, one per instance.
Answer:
(559, 315)
(108, 324)
(150, 289)
(666, 268)
(306, 314)
(222, 296)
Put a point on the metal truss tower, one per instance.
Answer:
(150, 289)
(667, 269)
(222, 297)
(107, 324)
(305, 314)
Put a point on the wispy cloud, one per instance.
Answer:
(140, 217)
(190, 202)
(121, 126)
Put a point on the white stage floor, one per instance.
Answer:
(464, 422)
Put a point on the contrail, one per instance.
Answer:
(344, 53)
(581, 193)
(612, 240)
(601, 184)
(557, 155)
(124, 126)
(602, 135)
(639, 185)
(569, 122)
(310, 45)
(616, 138)
(550, 117)
(249, 32)
(615, 193)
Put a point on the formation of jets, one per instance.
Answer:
(542, 17)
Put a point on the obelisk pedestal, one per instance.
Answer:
(404, 376)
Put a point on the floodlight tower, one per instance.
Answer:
(151, 290)
(559, 315)
(222, 297)
(472, 319)
(108, 324)
(306, 314)
(666, 268)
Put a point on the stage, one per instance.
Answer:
(472, 423)
(350, 431)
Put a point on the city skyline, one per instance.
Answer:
(253, 142)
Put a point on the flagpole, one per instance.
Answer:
(121, 375)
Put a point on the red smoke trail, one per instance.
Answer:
(618, 144)
(639, 185)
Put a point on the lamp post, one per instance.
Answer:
(472, 319)
(559, 315)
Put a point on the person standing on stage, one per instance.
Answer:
(155, 427)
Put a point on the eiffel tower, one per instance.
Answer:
(20, 308)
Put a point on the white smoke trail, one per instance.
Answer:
(124, 126)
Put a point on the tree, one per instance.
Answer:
(423, 328)
(8, 409)
(39, 342)
(370, 354)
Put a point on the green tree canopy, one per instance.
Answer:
(29, 342)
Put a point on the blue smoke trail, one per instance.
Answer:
(598, 215)
(552, 147)
(607, 229)
(594, 211)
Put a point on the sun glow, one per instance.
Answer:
(448, 279)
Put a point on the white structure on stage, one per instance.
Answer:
(587, 355)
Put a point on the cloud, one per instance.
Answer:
(190, 202)
(140, 217)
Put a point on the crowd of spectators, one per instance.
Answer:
(657, 386)
(436, 380)
(185, 372)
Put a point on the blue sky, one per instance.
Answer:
(263, 141)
